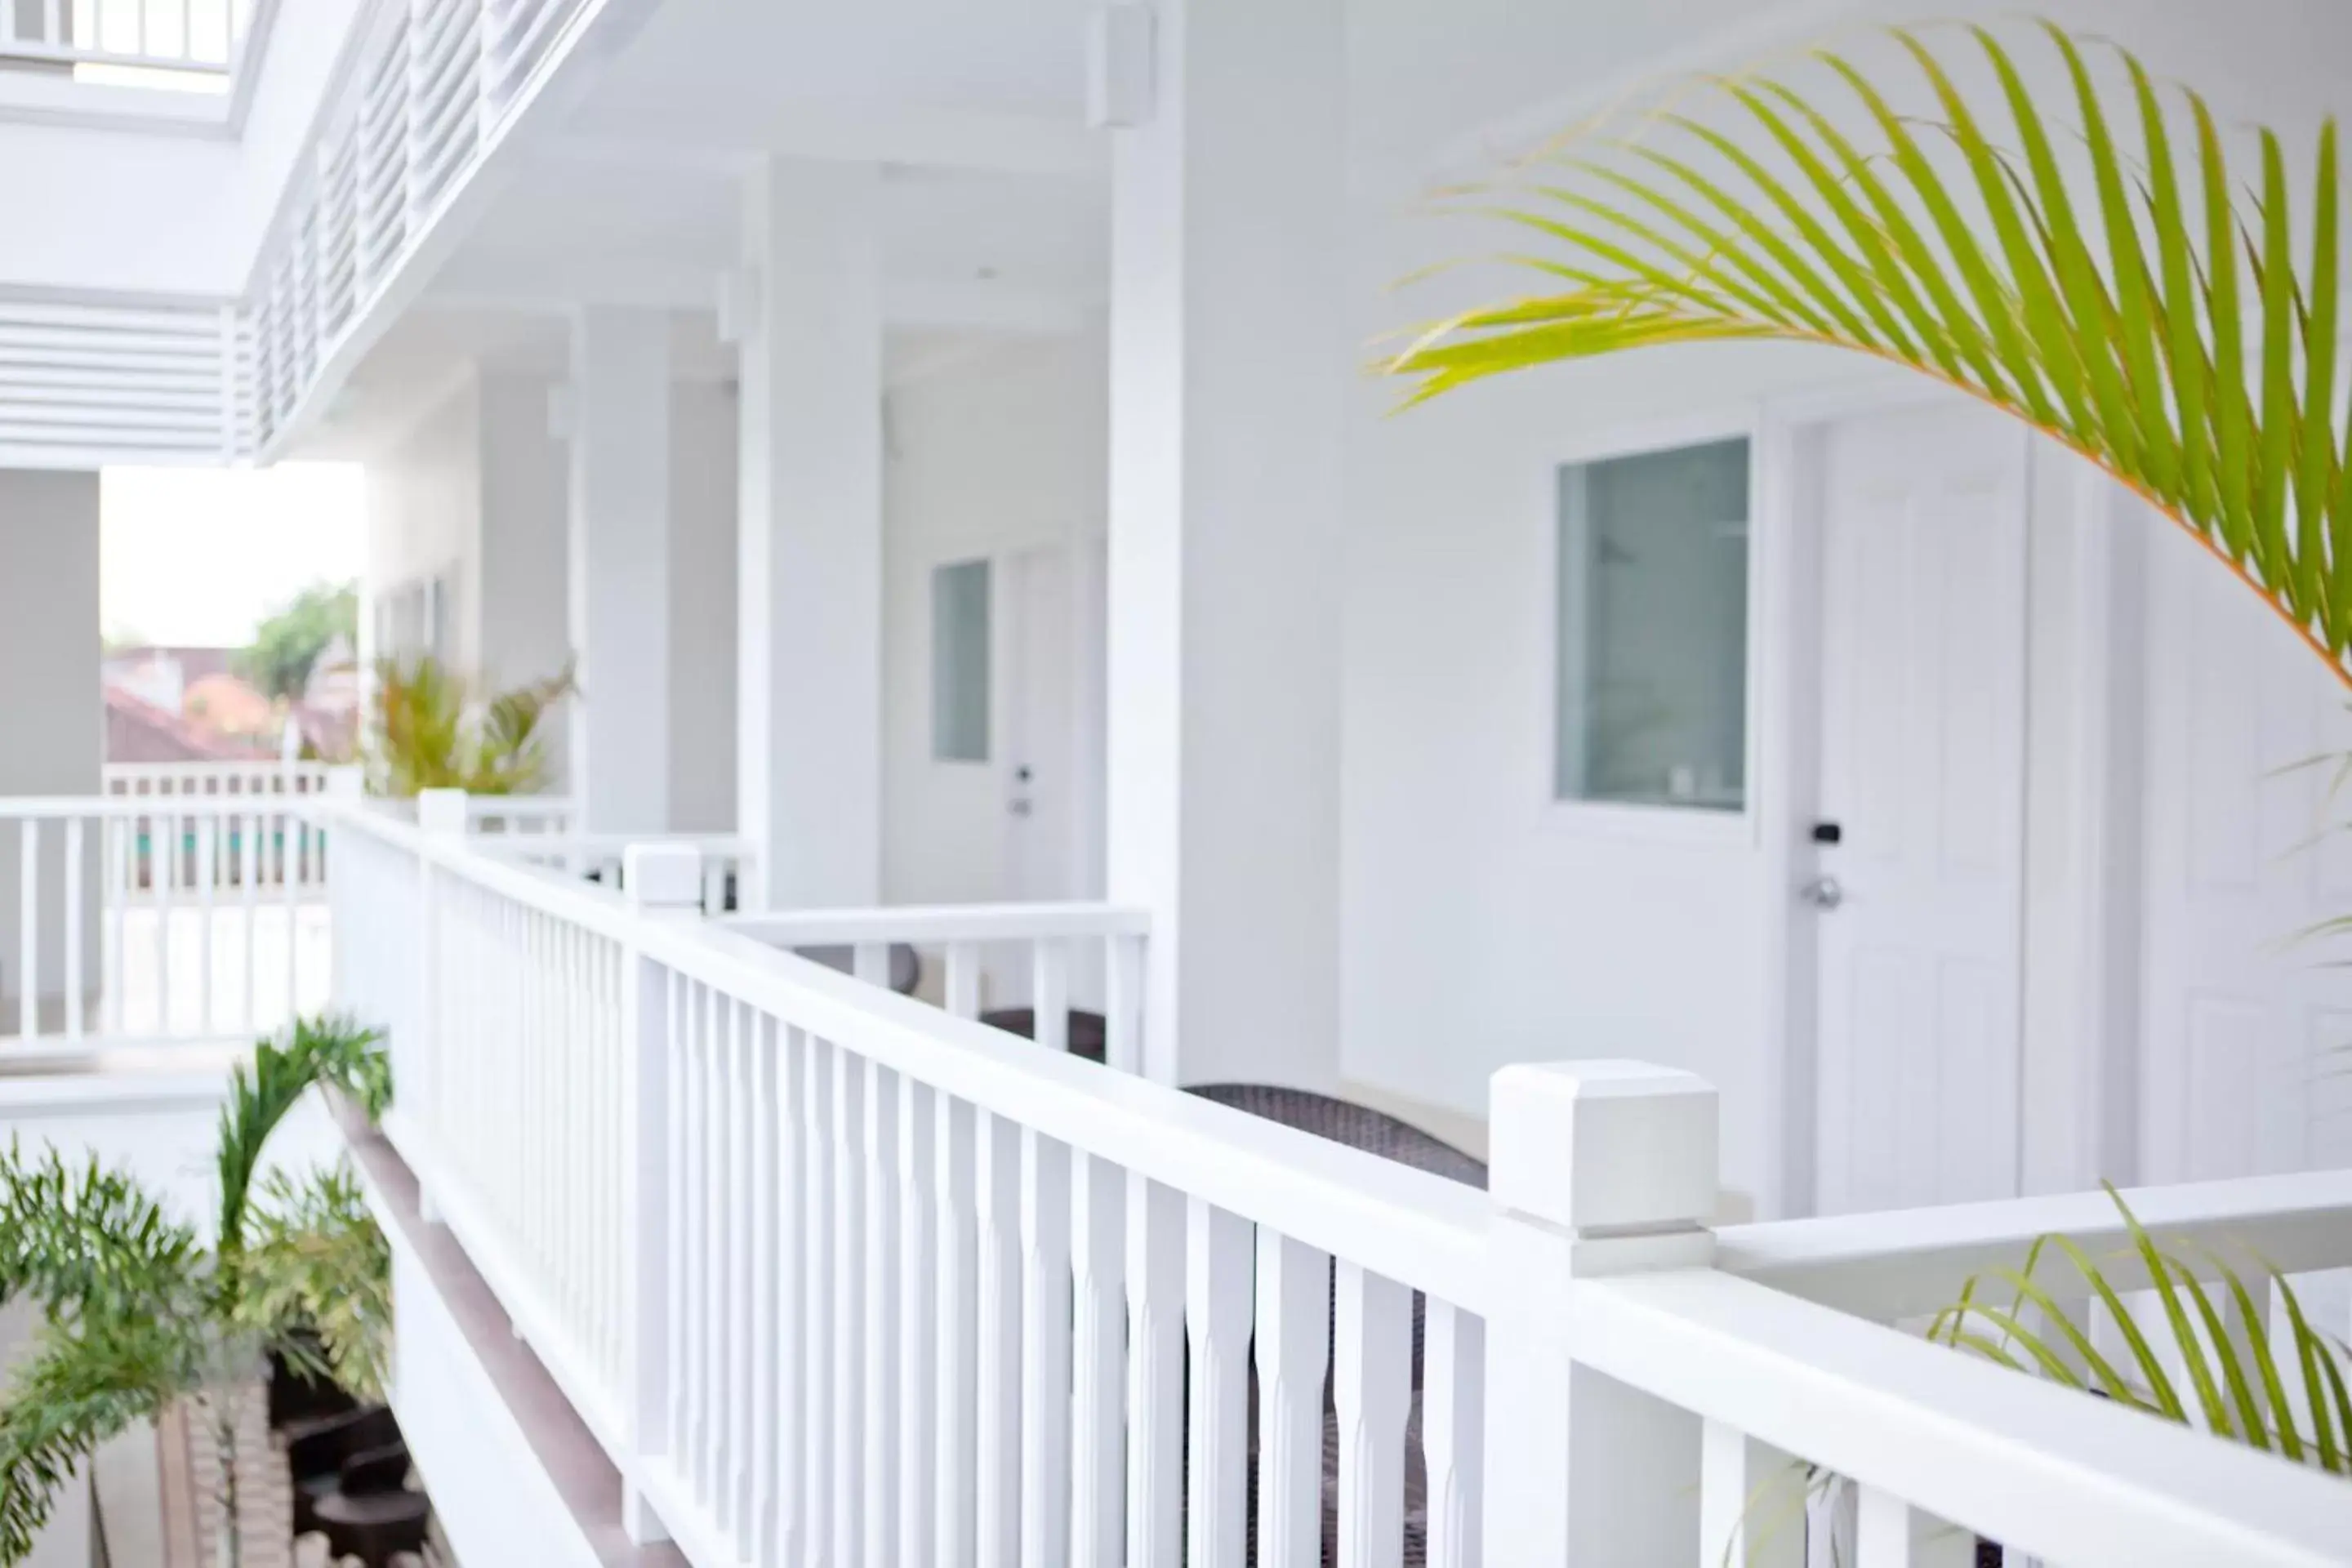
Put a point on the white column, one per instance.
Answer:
(619, 726)
(808, 752)
(1230, 360)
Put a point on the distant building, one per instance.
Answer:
(138, 730)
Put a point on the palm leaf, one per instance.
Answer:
(2146, 309)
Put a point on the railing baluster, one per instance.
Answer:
(1123, 1021)
(996, 1184)
(918, 1324)
(848, 1281)
(1883, 1531)
(1294, 1326)
(29, 930)
(1751, 1501)
(880, 1399)
(248, 897)
(1155, 1373)
(1453, 1432)
(1217, 1308)
(208, 874)
(818, 1390)
(717, 1261)
(762, 1197)
(962, 992)
(73, 872)
(119, 831)
(955, 1363)
(1373, 1384)
(1097, 1438)
(1049, 994)
(1045, 1352)
(292, 895)
(790, 1525)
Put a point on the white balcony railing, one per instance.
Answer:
(200, 38)
(431, 91)
(164, 917)
(837, 1275)
(148, 779)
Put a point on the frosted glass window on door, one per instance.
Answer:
(1652, 629)
(959, 662)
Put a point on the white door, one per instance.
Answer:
(1038, 696)
(1922, 778)
(1003, 801)
(2247, 1024)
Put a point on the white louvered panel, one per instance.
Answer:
(524, 31)
(444, 59)
(82, 383)
(383, 151)
(337, 233)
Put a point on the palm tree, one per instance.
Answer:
(138, 1313)
(426, 730)
(2135, 306)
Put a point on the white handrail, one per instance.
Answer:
(1897, 1265)
(1420, 1229)
(938, 923)
(2046, 1470)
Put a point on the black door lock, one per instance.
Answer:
(1828, 833)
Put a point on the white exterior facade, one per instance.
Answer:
(935, 437)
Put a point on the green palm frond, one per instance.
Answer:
(137, 1313)
(80, 1239)
(428, 731)
(2112, 280)
(2203, 1350)
(317, 1279)
(334, 1052)
(78, 1388)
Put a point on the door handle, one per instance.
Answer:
(1824, 893)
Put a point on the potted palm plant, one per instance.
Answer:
(139, 1313)
(427, 729)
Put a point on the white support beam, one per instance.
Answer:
(619, 568)
(1230, 357)
(809, 616)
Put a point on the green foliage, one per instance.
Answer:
(2135, 304)
(2212, 1353)
(286, 646)
(427, 731)
(315, 1264)
(136, 1313)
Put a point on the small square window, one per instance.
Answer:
(1652, 629)
(959, 662)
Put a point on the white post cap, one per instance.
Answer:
(441, 810)
(662, 876)
(1609, 1146)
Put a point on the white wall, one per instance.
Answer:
(1479, 930)
(996, 452)
(54, 740)
(174, 212)
(518, 604)
(704, 424)
(424, 512)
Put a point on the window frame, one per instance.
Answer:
(1644, 821)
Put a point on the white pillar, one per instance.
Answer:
(1230, 360)
(619, 568)
(808, 752)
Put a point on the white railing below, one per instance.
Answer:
(204, 37)
(600, 858)
(215, 778)
(836, 1275)
(1057, 967)
(162, 918)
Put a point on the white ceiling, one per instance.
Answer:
(996, 194)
